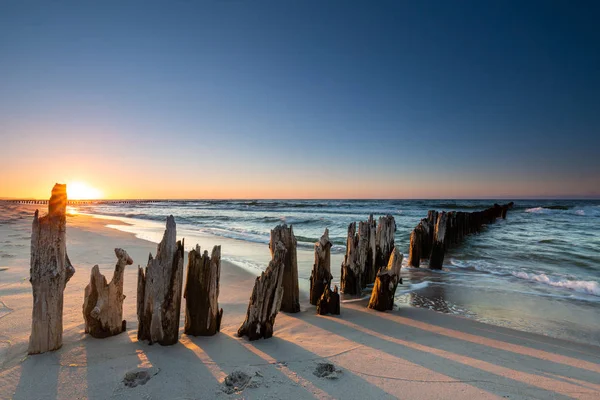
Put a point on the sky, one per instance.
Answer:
(301, 99)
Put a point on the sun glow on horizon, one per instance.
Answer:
(82, 191)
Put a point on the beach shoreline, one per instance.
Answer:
(409, 352)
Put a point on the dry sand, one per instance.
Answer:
(407, 353)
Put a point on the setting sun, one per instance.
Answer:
(82, 191)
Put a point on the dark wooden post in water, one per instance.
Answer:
(291, 291)
(320, 278)
(103, 302)
(202, 313)
(266, 298)
(382, 296)
(159, 291)
(49, 273)
(439, 246)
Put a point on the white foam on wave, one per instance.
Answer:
(538, 210)
(587, 287)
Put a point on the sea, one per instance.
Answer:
(537, 271)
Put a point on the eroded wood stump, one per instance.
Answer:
(359, 260)
(202, 313)
(329, 303)
(367, 250)
(438, 249)
(320, 278)
(49, 273)
(291, 292)
(159, 291)
(384, 244)
(419, 238)
(103, 302)
(266, 297)
(382, 296)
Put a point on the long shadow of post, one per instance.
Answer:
(297, 366)
(486, 381)
(39, 377)
(516, 361)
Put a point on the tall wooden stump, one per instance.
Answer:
(159, 291)
(384, 239)
(359, 260)
(50, 271)
(266, 298)
(351, 274)
(103, 302)
(291, 291)
(382, 296)
(367, 250)
(320, 278)
(438, 250)
(202, 313)
(418, 238)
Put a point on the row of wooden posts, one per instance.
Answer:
(371, 258)
(435, 234)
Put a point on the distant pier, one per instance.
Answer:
(83, 202)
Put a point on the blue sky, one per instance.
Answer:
(302, 98)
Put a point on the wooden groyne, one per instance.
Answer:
(433, 235)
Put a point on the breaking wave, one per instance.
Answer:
(587, 287)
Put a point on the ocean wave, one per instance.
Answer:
(587, 287)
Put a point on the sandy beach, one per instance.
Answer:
(405, 353)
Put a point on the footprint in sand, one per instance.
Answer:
(139, 376)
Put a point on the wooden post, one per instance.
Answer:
(103, 302)
(159, 291)
(50, 271)
(384, 290)
(367, 250)
(202, 313)
(384, 239)
(291, 291)
(437, 252)
(329, 303)
(418, 243)
(266, 298)
(320, 278)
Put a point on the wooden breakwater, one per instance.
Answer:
(440, 230)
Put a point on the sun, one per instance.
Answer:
(82, 191)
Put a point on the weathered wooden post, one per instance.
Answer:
(50, 271)
(382, 296)
(367, 250)
(351, 273)
(159, 291)
(329, 303)
(202, 313)
(418, 239)
(437, 252)
(320, 278)
(103, 302)
(266, 298)
(291, 290)
(384, 239)
(359, 262)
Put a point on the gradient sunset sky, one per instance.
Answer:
(301, 99)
